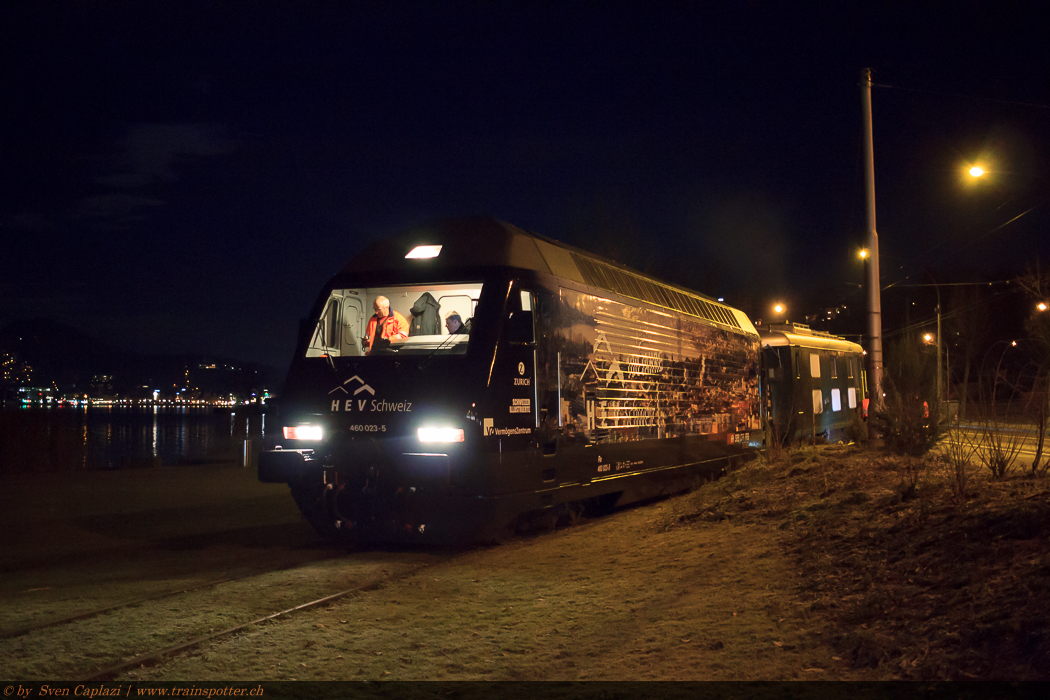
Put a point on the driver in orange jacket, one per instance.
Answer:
(391, 324)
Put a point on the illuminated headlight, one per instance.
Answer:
(440, 434)
(303, 432)
(424, 251)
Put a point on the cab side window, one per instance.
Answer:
(520, 321)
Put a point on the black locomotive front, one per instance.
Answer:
(379, 438)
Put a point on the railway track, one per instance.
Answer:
(101, 644)
(88, 614)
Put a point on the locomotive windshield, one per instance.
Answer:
(402, 320)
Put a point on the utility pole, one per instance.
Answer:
(874, 288)
(940, 398)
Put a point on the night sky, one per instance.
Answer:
(184, 177)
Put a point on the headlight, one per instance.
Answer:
(303, 432)
(440, 434)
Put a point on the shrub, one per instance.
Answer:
(857, 430)
(1002, 442)
(908, 420)
(957, 455)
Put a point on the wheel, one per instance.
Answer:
(317, 503)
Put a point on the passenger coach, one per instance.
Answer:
(580, 381)
(815, 382)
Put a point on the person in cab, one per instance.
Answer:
(454, 323)
(384, 325)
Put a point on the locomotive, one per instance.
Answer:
(581, 383)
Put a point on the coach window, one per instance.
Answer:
(849, 367)
(835, 368)
(798, 367)
(814, 364)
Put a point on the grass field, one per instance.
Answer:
(833, 563)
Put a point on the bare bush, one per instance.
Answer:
(1001, 440)
(1036, 285)
(957, 453)
(1001, 447)
(1034, 410)
(776, 442)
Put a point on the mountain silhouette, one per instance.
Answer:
(71, 359)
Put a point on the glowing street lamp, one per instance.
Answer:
(976, 171)
(1042, 306)
(863, 254)
(778, 308)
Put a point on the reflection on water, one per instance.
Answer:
(63, 439)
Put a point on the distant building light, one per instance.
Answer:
(424, 251)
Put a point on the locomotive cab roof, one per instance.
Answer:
(484, 242)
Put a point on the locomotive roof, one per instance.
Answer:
(487, 242)
(800, 335)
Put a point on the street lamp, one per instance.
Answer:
(976, 171)
(778, 308)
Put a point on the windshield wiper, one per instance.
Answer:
(324, 346)
(426, 360)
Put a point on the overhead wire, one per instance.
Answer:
(962, 96)
(955, 312)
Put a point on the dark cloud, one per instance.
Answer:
(113, 212)
(27, 221)
(149, 154)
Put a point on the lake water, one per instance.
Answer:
(34, 440)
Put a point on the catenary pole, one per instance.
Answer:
(874, 288)
(940, 398)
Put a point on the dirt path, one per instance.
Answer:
(612, 599)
